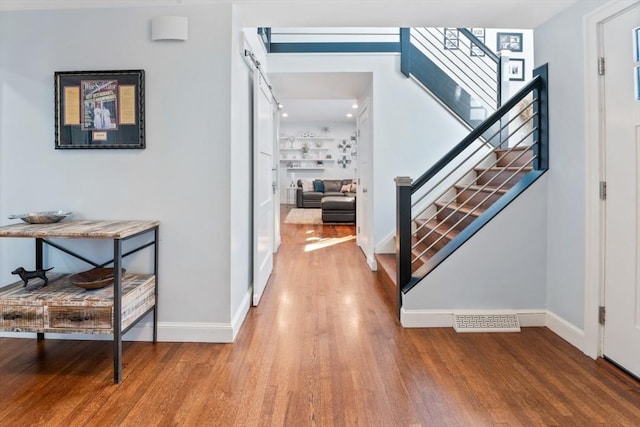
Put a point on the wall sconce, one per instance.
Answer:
(169, 28)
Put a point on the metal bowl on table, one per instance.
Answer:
(45, 217)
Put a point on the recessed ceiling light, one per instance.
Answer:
(349, 115)
(280, 106)
(354, 106)
(285, 114)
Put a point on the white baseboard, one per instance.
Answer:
(565, 330)
(444, 318)
(167, 331)
(373, 264)
(426, 318)
(241, 314)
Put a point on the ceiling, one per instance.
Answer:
(326, 97)
(333, 87)
(350, 13)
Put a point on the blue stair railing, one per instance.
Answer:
(442, 209)
(456, 67)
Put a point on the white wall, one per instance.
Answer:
(183, 176)
(567, 172)
(503, 266)
(410, 131)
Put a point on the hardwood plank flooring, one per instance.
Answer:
(323, 349)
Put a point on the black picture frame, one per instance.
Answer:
(474, 49)
(516, 69)
(509, 41)
(99, 109)
(451, 39)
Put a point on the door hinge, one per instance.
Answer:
(603, 190)
(601, 314)
(601, 66)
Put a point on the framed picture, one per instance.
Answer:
(516, 69)
(451, 38)
(637, 44)
(99, 109)
(478, 32)
(509, 41)
(474, 49)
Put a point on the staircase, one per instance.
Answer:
(466, 203)
(468, 187)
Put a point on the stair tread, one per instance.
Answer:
(440, 227)
(505, 150)
(506, 168)
(477, 211)
(487, 188)
(421, 247)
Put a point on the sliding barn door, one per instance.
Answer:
(263, 189)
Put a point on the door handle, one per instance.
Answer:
(364, 190)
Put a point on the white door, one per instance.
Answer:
(263, 206)
(622, 206)
(363, 207)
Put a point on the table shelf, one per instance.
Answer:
(62, 307)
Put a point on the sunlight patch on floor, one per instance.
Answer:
(326, 243)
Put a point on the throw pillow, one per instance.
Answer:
(332, 185)
(345, 188)
(318, 186)
(307, 185)
(353, 188)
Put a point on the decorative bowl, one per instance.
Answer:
(46, 217)
(95, 278)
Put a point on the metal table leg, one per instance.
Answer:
(39, 265)
(117, 311)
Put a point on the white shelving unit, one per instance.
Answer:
(292, 156)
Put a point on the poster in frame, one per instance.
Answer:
(99, 109)
(516, 69)
(509, 41)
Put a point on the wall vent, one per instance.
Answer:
(486, 322)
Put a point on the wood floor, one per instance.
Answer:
(323, 348)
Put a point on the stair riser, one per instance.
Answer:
(500, 178)
(455, 217)
(525, 159)
(468, 198)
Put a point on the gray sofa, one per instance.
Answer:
(313, 199)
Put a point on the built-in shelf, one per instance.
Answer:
(307, 160)
(306, 168)
(308, 138)
(309, 149)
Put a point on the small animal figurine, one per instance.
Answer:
(26, 275)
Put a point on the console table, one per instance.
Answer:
(62, 307)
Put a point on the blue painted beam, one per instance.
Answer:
(405, 51)
(356, 47)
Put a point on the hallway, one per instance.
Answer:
(323, 348)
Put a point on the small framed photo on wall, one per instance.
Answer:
(99, 109)
(509, 41)
(475, 49)
(451, 38)
(516, 69)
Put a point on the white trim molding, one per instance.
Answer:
(444, 318)
(565, 330)
(594, 240)
(241, 314)
(167, 332)
(527, 317)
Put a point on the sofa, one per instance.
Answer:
(309, 193)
